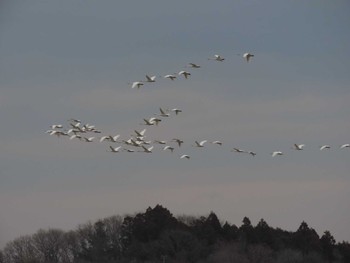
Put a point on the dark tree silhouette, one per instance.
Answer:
(264, 233)
(146, 227)
(344, 249)
(157, 236)
(208, 229)
(230, 232)
(328, 244)
(246, 233)
(49, 244)
(20, 250)
(306, 239)
(96, 245)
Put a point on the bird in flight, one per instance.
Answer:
(177, 111)
(150, 79)
(276, 153)
(178, 141)
(154, 120)
(148, 122)
(136, 84)
(238, 150)
(200, 144)
(252, 153)
(163, 113)
(129, 150)
(159, 141)
(299, 147)
(90, 139)
(193, 65)
(56, 126)
(170, 76)
(140, 133)
(217, 58)
(247, 56)
(325, 147)
(347, 145)
(185, 74)
(167, 147)
(147, 150)
(114, 150)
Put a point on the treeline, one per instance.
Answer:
(157, 236)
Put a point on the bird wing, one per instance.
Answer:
(138, 133)
(161, 111)
(136, 84)
(143, 132)
(144, 148)
(116, 137)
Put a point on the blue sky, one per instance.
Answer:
(74, 59)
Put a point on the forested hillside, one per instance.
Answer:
(157, 236)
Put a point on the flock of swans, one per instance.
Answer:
(138, 142)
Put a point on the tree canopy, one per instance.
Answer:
(157, 236)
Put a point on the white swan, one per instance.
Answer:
(136, 84)
(200, 144)
(147, 150)
(193, 65)
(154, 120)
(184, 73)
(299, 147)
(75, 136)
(276, 153)
(167, 147)
(325, 147)
(147, 122)
(150, 79)
(114, 138)
(247, 56)
(90, 139)
(114, 150)
(56, 126)
(129, 150)
(217, 142)
(104, 138)
(238, 150)
(159, 142)
(140, 133)
(163, 113)
(170, 76)
(177, 111)
(217, 58)
(178, 141)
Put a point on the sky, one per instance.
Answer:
(76, 59)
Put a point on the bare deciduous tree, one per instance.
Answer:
(21, 250)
